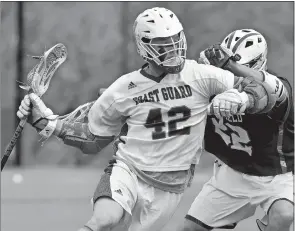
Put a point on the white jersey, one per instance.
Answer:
(165, 115)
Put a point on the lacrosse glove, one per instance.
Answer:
(39, 115)
(217, 56)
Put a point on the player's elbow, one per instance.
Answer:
(96, 145)
(89, 146)
(263, 97)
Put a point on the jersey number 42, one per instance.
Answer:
(155, 120)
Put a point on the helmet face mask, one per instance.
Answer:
(165, 52)
(160, 39)
(250, 45)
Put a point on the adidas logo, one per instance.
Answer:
(131, 85)
(119, 191)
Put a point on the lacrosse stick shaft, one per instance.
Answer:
(12, 142)
(38, 82)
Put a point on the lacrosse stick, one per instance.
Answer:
(38, 81)
(80, 114)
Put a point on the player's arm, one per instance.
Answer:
(274, 83)
(103, 125)
(243, 71)
(220, 56)
(273, 88)
(76, 134)
(216, 81)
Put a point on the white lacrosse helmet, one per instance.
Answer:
(250, 45)
(153, 25)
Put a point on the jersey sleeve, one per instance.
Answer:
(212, 80)
(280, 92)
(276, 85)
(104, 117)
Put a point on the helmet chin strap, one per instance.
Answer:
(154, 70)
(174, 69)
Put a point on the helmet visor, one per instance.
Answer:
(167, 51)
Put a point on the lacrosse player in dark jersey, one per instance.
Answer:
(255, 152)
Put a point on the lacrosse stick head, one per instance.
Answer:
(39, 77)
(79, 115)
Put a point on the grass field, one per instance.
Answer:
(58, 199)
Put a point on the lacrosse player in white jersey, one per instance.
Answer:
(163, 107)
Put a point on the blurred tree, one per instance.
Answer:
(20, 73)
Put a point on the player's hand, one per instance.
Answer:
(24, 109)
(35, 109)
(217, 55)
(228, 103)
